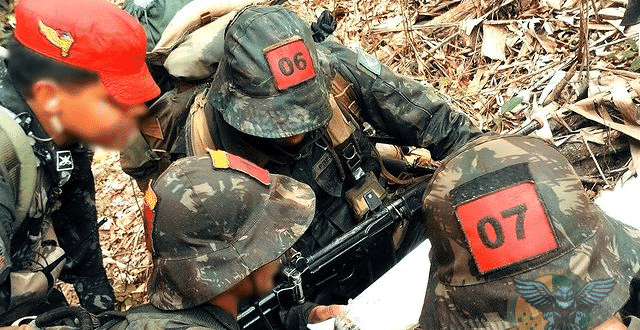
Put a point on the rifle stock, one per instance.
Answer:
(291, 292)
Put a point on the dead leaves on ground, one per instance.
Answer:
(507, 62)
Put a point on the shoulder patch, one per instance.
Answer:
(223, 159)
(64, 160)
(369, 64)
(290, 63)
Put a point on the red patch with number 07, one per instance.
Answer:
(290, 63)
(506, 227)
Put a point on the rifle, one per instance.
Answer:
(301, 271)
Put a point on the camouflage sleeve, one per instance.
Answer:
(7, 208)
(399, 106)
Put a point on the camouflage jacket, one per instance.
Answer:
(64, 203)
(147, 317)
(398, 106)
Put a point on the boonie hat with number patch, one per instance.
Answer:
(269, 82)
(94, 35)
(218, 218)
(517, 243)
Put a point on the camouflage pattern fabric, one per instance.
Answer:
(147, 317)
(214, 226)
(246, 88)
(518, 244)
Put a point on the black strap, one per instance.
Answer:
(85, 319)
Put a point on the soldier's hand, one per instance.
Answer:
(322, 313)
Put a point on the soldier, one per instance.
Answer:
(75, 74)
(298, 108)
(218, 228)
(517, 244)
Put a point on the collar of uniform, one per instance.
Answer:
(227, 320)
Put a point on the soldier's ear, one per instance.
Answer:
(45, 97)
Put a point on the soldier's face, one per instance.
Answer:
(292, 140)
(93, 116)
(89, 114)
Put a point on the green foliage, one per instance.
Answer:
(629, 54)
(511, 104)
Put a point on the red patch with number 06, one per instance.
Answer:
(290, 63)
(506, 227)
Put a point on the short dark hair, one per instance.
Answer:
(25, 67)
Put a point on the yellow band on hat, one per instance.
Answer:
(223, 160)
(218, 158)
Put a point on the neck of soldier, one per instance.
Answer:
(230, 299)
(228, 302)
(55, 131)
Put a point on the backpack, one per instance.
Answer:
(192, 42)
(18, 164)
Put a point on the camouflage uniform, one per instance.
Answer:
(64, 200)
(251, 103)
(212, 220)
(147, 317)
(516, 242)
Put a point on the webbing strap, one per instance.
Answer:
(343, 101)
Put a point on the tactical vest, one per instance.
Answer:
(184, 108)
(345, 144)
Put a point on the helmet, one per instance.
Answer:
(269, 82)
(218, 218)
(516, 242)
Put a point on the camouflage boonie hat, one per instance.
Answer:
(218, 218)
(269, 82)
(517, 244)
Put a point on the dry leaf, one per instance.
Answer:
(494, 39)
